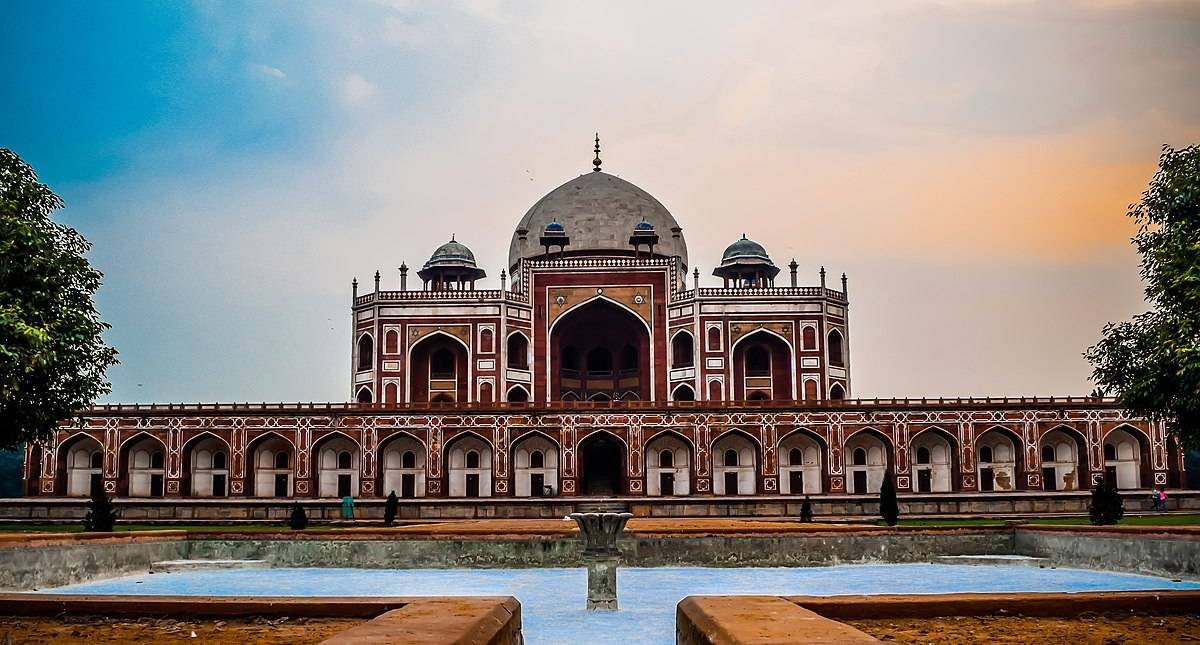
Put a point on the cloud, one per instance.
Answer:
(356, 90)
(260, 69)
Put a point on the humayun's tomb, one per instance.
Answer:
(601, 371)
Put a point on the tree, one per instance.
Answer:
(52, 356)
(1106, 506)
(1152, 362)
(889, 508)
(101, 515)
(806, 514)
(298, 520)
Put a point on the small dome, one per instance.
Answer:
(745, 249)
(452, 252)
(643, 226)
(554, 227)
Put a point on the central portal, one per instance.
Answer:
(600, 352)
(600, 465)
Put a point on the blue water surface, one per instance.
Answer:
(552, 600)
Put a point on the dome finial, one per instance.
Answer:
(452, 237)
(596, 161)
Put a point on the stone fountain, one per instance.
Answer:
(600, 553)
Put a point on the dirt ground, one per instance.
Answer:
(169, 631)
(1086, 629)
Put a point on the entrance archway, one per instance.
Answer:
(601, 460)
(600, 348)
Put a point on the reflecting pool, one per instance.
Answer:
(552, 600)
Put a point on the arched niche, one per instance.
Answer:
(668, 465)
(402, 466)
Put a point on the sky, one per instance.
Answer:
(967, 164)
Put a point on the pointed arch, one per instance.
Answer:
(669, 458)
(764, 366)
(466, 476)
(403, 474)
(807, 474)
(516, 350)
(602, 463)
(935, 476)
(141, 475)
(419, 377)
(365, 354)
(76, 477)
(865, 476)
(265, 477)
(204, 475)
(732, 475)
(1001, 472)
(1069, 468)
(535, 476)
(683, 392)
(683, 349)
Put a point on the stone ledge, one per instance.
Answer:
(466, 620)
(757, 620)
(45, 604)
(990, 604)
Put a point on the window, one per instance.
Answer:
(836, 356)
(156, 460)
(366, 352)
(731, 457)
(408, 459)
(472, 459)
(795, 457)
(518, 350)
(364, 395)
(281, 460)
(343, 459)
(1047, 453)
(391, 342)
(681, 350)
(97, 460)
(518, 395)
(537, 459)
(758, 361)
(684, 393)
(836, 392)
(487, 342)
(441, 364)
(923, 455)
(810, 338)
(985, 454)
(599, 361)
(666, 459)
(860, 456)
(714, 339)
(1110, 451)
(218, 460)
(570, 360)
(629, 359)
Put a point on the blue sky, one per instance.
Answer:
(236, 164)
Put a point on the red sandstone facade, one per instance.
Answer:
(598, 372)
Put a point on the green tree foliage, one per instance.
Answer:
(298, 520)
(1106, 506)
(1152, 362)
(390, 508)
(52, 357)
(889, 508)
(101, 515)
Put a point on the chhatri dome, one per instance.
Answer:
(597, 211)
(452, 261)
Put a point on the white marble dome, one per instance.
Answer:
(599, 212)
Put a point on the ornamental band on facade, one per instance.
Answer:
(596, 371)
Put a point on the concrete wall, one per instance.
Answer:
(1133, 549)
(795, 550)
(37, 565)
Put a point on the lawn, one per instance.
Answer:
(1135, 520)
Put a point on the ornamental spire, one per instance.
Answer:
(596, 161)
